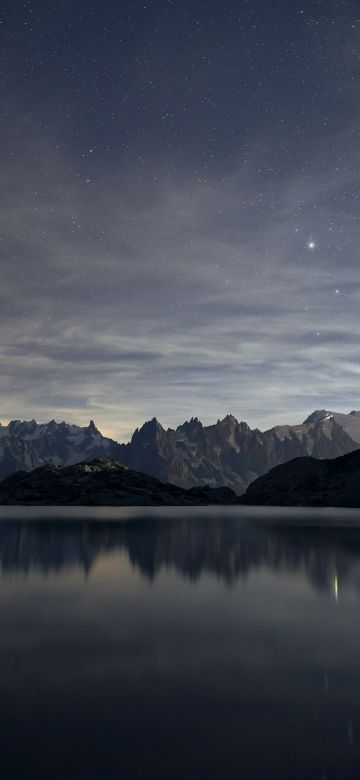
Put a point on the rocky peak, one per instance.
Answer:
(99, 464)
(229, 419)
(14, 426)
(151, 430)
(189, 426)
(52, 425)
(227, 424)
(228, 427)
(21, 427)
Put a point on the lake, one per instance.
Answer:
(192, 643)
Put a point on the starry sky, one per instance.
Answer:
(180, 210)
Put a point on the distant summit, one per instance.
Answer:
(350, 423)
(319, 414)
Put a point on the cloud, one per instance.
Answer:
(125, 296)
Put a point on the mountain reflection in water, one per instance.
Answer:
(228, 545)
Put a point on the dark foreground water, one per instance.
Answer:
(179, 644)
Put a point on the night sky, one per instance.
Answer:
(180, 210)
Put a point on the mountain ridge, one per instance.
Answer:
(102, 483)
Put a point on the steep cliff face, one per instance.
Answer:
(226, 453)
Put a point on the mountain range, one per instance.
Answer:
(228, 453)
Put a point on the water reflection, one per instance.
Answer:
(228, 547)
(190, 646)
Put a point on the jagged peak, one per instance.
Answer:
(154, 423)
(229, 419)
(149, 427)
(190, 425)
(21, 424)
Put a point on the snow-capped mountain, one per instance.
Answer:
(348, 422)
(25, 445)
(226, 453)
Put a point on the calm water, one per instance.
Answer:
(179, 644)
